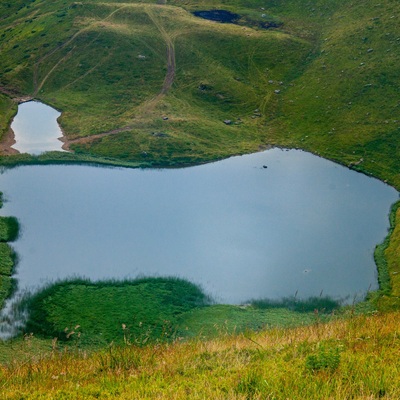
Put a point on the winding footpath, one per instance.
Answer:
(144, 109)
(148, 106)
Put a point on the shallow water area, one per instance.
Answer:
(270, 224)
(36, 129)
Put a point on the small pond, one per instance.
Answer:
(36, 129)
(270, 224)
(223, 16)
(264, 21)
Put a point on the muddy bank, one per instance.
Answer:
(6, 142)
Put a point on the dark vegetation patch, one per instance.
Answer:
(151, 310)
(9, 229)
(312, 304)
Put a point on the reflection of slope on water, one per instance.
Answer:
(13, 317)
(36, 129)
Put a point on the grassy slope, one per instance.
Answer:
(77, 58)
(340, 360)
(345, 106)
(337, 62)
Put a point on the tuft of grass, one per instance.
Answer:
(323, 359)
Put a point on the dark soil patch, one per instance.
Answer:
(218, 15)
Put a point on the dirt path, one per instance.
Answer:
(38, 85)
(14, 95)
(148, 106)
(171, 64)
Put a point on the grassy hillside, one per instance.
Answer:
(323, 78)
(339, 360)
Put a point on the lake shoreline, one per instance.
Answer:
(257, 179)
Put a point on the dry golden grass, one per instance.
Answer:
(273, 364)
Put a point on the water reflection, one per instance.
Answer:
(36, 129)
(303, 225)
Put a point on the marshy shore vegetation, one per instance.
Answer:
(8, 232)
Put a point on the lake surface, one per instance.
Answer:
(36, 129)
(242, 231)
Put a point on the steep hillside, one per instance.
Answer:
(153, 83)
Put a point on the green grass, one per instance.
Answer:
(336, 360)
(9, 230)
(381, 259)
(110, 311)
(150, 309)
(7, 259)
(7, 111)
(225, 320)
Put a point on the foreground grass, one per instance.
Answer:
(352, 358)
(390, 255)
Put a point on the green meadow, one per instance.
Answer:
(146, 84)
(324, 80)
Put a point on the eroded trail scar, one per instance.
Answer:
(39, 84)
(169, 77)
(149, 105)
